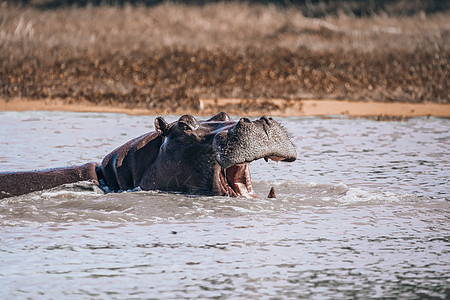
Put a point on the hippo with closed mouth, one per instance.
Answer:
(194, 157)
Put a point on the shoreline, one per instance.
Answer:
(168, 56)
(248, 107)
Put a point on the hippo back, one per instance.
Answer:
(123, 168)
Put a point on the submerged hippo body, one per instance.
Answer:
(195, 157)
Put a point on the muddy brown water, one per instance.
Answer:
(363, 213)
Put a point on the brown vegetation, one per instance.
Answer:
(173, 55)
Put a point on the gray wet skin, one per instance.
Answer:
(248, 141)
(211, 157)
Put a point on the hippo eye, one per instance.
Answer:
(184, 126)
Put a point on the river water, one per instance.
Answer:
(363, 213)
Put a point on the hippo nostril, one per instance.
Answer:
(267, 120)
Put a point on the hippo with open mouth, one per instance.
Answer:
(194, 157)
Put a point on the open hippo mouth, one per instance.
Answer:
(243, 143)
(236, 180)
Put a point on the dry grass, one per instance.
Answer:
(174, 54)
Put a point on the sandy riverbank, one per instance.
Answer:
(273, 107)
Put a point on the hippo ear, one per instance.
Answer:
(161, 126)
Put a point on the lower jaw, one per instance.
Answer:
(235, 181)
(242, 190)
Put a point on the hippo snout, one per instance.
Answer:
(250, 140)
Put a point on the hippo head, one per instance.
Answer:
(212, 157)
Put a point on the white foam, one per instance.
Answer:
(359, 195)
(55, 194)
